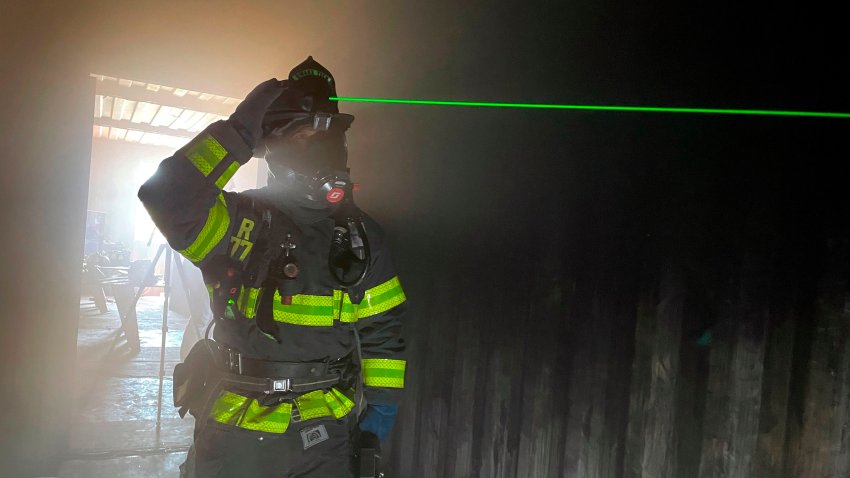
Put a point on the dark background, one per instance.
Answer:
(561, 265)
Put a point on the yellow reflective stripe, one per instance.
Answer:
(321, 310)
(338, 298)
(305, 309)
(338, 403)
(228, 407)
(347, 312)
(248, 302)
(332, 403)
(244, 412)
(240, 300)
(206, 154)
(218, 221)
(379, 372)
(312, 405)
(380, 298)
(273, 419)
(227, 174)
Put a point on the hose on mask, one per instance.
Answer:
(349, 256)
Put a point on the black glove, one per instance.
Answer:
(248, 117)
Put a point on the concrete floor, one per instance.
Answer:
(114, 432)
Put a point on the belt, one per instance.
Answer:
(269, 376)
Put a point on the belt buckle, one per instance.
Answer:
(277, 385)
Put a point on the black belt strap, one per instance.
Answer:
(277, 385)
(271, 377)
(266, 368)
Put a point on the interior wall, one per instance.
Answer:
(46, 139)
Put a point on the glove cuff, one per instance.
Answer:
(378, 420)
(247, 136)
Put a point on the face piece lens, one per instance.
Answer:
(282, 123)
(312, 153)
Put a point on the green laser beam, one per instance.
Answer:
(652, 109)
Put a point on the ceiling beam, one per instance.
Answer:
(162, 97)
(143, 127)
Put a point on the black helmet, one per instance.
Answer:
(304, 101)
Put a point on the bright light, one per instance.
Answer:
(123, 109)
(186, 119)
(205, 121)
(133, 136)
(117, 133)
(166, 116)
(144, 112)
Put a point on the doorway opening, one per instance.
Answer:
(131, 332)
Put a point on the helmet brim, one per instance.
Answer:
(280, 123)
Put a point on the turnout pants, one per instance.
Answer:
(317, 448)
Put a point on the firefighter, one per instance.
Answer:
(304, 353)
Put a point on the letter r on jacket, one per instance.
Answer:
(242, 239)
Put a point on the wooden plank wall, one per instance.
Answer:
(578, 347)
(502, 407)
